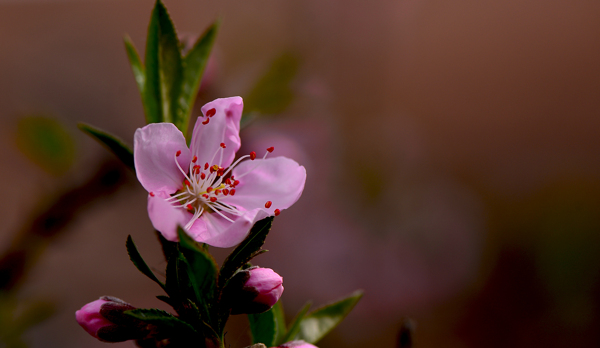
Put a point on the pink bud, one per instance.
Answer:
(255, 290)
(90, 319)
(296, 344)
(268, 285)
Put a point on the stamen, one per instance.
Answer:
(232, 192)
(253, 155)
(189, 206)
(223, 145)
(225, 192)
(206, 166)
(211, 112)
(202, 176)
(187, 182)
(151, 194)
(277, 212)
(213, 199)
(268, 204)
(209, 189)
(194, 159)
(206, 121)
(178, 153)
(271, 149)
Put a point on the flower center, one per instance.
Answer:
(206, 184)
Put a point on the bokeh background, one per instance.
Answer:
(452, 150)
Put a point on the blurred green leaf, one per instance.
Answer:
(163, 67)
(17, 316)
(139, 262)
(136, 64)
(272, 93)
(193, 69)
(247, 249)
(112, 142)
(266, 327)
(295, 325)
(47, 143)
(321, 321)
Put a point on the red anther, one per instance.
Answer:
(232, 192)
(178, 153)
(223, 145)
(221, 171)
(211, 112)
(277, 212)
(151, 194)
(202, 176)
(209, 189)
(235, 183)
(187, 182)
(271, 149)
(212, 169)
(205, 195)
(252, 155)
(217, 192)
(225, 192)
(215, 167)
(213, 199)
(206, 121)
(206, 166)
(189, 206)
(194, 159)
(268, 204)
(228, 181)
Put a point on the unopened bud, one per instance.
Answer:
(296, 344)
(257, 290)
(105, 320)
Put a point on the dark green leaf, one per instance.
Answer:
(321, 321)
(202, 271)
(46, 142)
(193, 69)
(139, 262)
(272, 93)
(160, 318)
(280, 322)
(264, 327)
(246, 250)
(163, 67)
(295, 325)
(113, 143)
(136, 64)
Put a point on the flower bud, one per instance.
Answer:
(296, 344)
(261, 289)
(105, 320)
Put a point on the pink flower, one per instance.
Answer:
(214, 201)
(296, 344)
(261, 289)
(90, 319)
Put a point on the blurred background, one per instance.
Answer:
(452, 151)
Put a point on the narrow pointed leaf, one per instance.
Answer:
(279, 321)
(112, 142)
(295, 325)
(193, 69)
(246, 250)
(136, 64)
(139, 262)
(163, 67)
(264, 327)
(321, 321)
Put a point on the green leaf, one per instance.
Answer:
(321, 321)
(136, 64)
(111, 142)
(295, 325)
(46, 142)
(139, 262)
(246, 250)
(272, 92)
(163, 67)
(193, 69)
(202, 271)
(264, 327)
(161, 318)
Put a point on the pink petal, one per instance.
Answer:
(223, 127)
(154, 149)
(279, 180)
(219, 232)
(165, 217)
